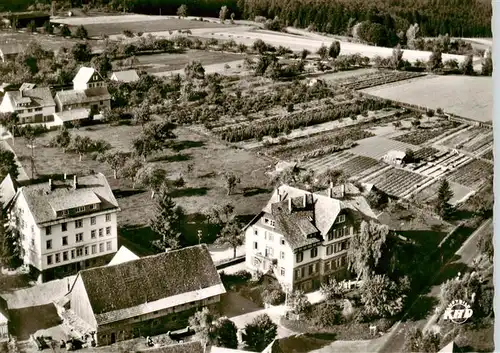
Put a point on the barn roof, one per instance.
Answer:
(125, 76)
(151, 283)
(83, 96)
(36, 97)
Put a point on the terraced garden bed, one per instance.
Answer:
(488, 155)
(473, 175)
(358, 165)
(420, 136)
(424, 153)
(396, 182)
(381, 78)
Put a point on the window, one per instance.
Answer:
(100, 232)
(255, 245)
(108, 230)
(32, 229)
(79, 223)
(101, 247)
(303, 272)
(94, 249)
(80, 209)
(109, 246)
(92, 221)
(79, 252)
(108, 217)
(282, 271)
(86, 250)
(314, 252)
(79, 237)
(92, 234)
(327, 266)
(64, 241)
(48, 230)
(299, 257)
(93, 207)
(282, 241)
(49, 260)
(269, 251)
(266, 220)
(58, 258)
(330, 235)
(255, 232)
(272, 223)
(64, 227)
(271, 238)
(282, 255)
(73, 253)
(48, 244)
(100, 102)
(32, 241)
(256, 262)
(65, 256)
(311, 269)
(297, 273)
(329, 250)
(340, 219)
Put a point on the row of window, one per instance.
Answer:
(268, 236)
(312, 269)
(79, 252)
(299, 257)
(307, 270)
(78, 224)
(339, 233)
(257, 263)
(79, 237)
(336, 263)
(337, 247)
(30, 110)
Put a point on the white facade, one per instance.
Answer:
(86, 78)
(27, 114)
(65, 241)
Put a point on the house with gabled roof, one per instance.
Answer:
(32, 104)
(302, 237)
(89, 92)
(65, 225)
(9, 51)
(157, 294)
(125, 76)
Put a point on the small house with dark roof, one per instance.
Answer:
(188, 347)
(302, 237)
(4, 320)
(65, 224)
(89, 92)
(9, 51)
(33, 105)
(147, 296)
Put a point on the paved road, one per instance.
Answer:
(467, 252)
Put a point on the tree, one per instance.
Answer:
(62, 139)
(365, 249)
(332, 290)
(130, 170)
(232, 18)
(182, 11)
(231, 180)
(416, 341)
(81, 32)
(116, 160)
(435, 62)
(5, 246)
(194, 69)
(304, 53)
(225, 333)
(466, 66)
(298, 302)
(443, 208)
(8, 164)
(152, 178)
(65, 31)
(81, 52)
(334, 50)
(232, 235)
(412, 34)
(381, 297)
(221, 214)
(322, 52)
(31, 27)
(102, 64)
(409, 156)
(10, 121)
(260, 333)
(81, 145)
(223, 13)
(167, 220)
(202, 322)
(485, 245)
(48, 28)
(487, 65)
(142, 114)
(397, 58)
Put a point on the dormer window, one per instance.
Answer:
(94, 206)
(80, 209)
(340, 219)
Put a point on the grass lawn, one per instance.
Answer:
(47, 42)
(204, 186)
(176, 61)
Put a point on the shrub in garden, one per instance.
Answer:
(273, 295)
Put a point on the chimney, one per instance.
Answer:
(330, 192)
(290, 204)
(331, 184)
(50, 184)
(75, 182)
(305, 201)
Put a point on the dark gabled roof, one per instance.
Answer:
(189, 347)
(36, 97)
(41, 201)
(147, 283)
(83, 96)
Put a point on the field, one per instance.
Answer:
(471, 140)
(423, 135)
(112, 25)
(473, 174)
(157, 63)
(464, 96)
(429, 194)
(397, 182)
(376, 147)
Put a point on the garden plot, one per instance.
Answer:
(488, 154)
(470, 140)
(425, 153)
(376, 147)
(361, 166)
(473, 174)
(429, 194)
(423, 135)
(464, 96)
(396, 182)
(319, 165)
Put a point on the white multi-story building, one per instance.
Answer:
(33, 105)
(303, 237)
(66, 225)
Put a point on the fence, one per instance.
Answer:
(226, 263)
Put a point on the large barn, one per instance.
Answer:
(157, 294)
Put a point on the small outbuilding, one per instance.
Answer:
(394, 157)
(125, 76)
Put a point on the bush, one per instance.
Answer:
(128, 33)
(273, 296)
(260, 19)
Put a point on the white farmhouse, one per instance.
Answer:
(65, 225)
(302, 237)
(33, 105)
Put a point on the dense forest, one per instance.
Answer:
(460, 18)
